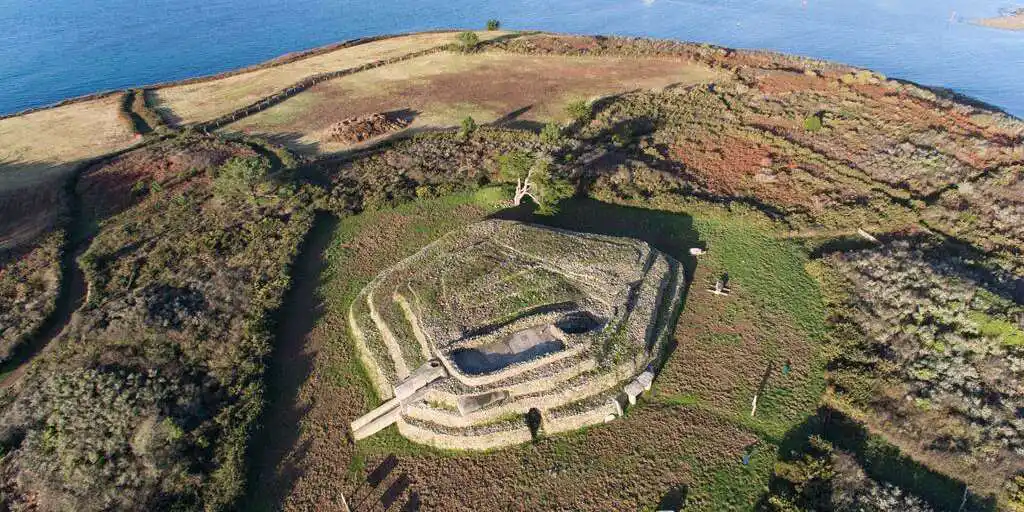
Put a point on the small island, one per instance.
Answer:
(1012, 19)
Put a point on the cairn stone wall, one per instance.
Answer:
(590, 313)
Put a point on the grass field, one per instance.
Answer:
(38, 150)
(206, 100)
(48, 138)
(439, 90)
(683, 443)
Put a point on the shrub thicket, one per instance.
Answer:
(924, 330)
(493, 24)
(97, 440)
(158, 382)
(29, 283)
(1013, 493)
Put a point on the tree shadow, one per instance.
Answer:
(511, 116)
(405, 115)
(961, 259)
(165, 111)
(880, 461)
(885, 463)
(273, 455)
(395, 491)
(675, 498)
(534, 421)
(524, 125)
(291, 140)
(671, 233)
(369, 496)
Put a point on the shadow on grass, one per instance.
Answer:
(671, 233)
(881, 461)
(273, 454)
(674, 499)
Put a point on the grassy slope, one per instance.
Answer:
(671, 436)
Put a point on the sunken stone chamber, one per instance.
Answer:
(465, 337)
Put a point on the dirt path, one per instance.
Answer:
(70, 297)
(274, 458)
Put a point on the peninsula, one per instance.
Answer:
(495, 269)
(1013, 20)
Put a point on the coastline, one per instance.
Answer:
(1013, 22)
(291, 57)
(285, 58)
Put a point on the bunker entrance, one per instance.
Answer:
(521, 346)
(579, 323)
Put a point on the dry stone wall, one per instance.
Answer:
(565, 321)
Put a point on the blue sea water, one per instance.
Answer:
(56, 49)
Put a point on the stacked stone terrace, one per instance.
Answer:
(464, 338)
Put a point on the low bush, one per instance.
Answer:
(551, 133)
(493, 24)
(579, 110)
(468, 41)
(467, 127)
(812, 123)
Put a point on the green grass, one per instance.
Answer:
(1005, 332)
(772, 270)
(738, 486)
(683, 400)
